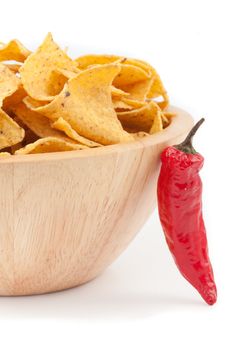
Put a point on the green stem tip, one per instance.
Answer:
(186, 146)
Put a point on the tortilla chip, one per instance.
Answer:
(163, 104)
(141, 118)
(118, 92)
(86, 104)
(117, 95)
(85, 61)
(62, 125)
(119, 104)
(9, 83)
(133, 78)
(66, 73)
(32, 103)
(157, 123)
(129, 75)
(36, 122)
(14, 51)
(13, 67)
(169, 115)
(153, 88)
(140, 134)
(139, 90)
(10, 131)
(88, 60)
(126, 103)
(166, 118)
(157, 88)
(49, 144)
(4, 154)
(10, 101)
(37, 72)
(133, 103)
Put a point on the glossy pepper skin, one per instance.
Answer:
(179, 193)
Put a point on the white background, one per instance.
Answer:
(141, 301)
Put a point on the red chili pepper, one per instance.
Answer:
(180, 210)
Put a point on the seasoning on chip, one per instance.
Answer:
(50, 102)
(36, 72)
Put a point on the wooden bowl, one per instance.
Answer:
(64, 217)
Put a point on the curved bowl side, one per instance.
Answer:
(66, 216)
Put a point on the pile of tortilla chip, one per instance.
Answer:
(50, 102)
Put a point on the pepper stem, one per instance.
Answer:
(186, 146)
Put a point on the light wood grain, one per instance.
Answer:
(64, 217)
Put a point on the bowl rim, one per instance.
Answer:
(181, 122)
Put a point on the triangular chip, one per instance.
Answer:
(62, 125)
(150, 89)
(122, 103)
(139, 91)
(66, 73)
(166, 117)
(85, 61)
(12, 100)
(133, 80)
(37, 72)
(9, 83)
(129, 75)
(86, 104)
(156, 88)
(36, 122)
(141, 118)
(14, 51)
(157, 123)
(118, 92)
(10, 131)
(49, 144)
(133, 103)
